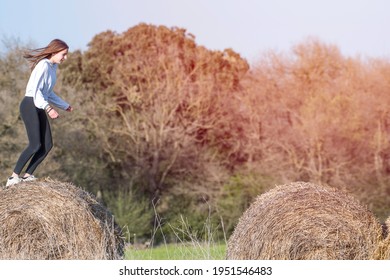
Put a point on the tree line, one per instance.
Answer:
(165, 127)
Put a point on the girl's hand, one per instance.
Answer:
(70, 109)
(53, 114)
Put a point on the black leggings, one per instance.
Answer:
(39, 136)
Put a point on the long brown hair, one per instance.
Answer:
(34, 56)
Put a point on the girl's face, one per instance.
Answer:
(59, 57)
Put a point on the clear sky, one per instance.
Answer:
(357, 27)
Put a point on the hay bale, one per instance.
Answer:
(54, 220)
(304, 221)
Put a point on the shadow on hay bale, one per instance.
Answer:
(55, 220)
(304, 221)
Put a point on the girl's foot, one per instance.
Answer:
(29, 178)
(12, 181)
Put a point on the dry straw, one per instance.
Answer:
(383, 252)
(55, 220)
(305, 221)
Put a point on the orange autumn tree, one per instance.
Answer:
(324, 117)
(162, 107)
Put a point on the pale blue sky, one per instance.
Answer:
(357, 27)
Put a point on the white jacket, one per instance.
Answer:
(41, 83)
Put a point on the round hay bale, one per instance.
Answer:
(304, 221)
(55, 220)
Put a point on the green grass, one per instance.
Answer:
(188, 251)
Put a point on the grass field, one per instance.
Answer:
(178, 252)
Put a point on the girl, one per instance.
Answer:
(36, 105)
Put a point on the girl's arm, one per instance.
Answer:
(58, 101)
